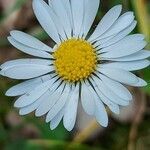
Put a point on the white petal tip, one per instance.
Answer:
(130, 97)
(17, 105)
(47, 120)
(117, 112)
(69, 129)
(105, 125)
(2, 73)
(8, 93)
(37, 114)
(22, 114)
(119, 6)
(52, 127)
(145, 84)
(9, 38)
(103, 121)
(141, 83)
(13, 32)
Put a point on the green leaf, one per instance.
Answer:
(146, 76)
(59, 133)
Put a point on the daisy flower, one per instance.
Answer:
(91, 68)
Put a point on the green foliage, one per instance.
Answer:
(146, 75)
(45, 132)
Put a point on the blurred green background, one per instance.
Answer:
(128, 131)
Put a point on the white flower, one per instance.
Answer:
(79, 67)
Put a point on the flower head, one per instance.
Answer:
(91, 68)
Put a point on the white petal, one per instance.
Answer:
(30, 108)
(29, 40)
(128, 39)
(118, 37)
(41, 10)
(112, 106)
(28, 50)
(53, 95)
(78, 15)
(49, 2)
(100, 113)
(133, 57)
(61, 12)
(127, 46)
(141, 83)
(24, 61)
(123, 22)
(56, 120)
(33, 95)
(106, 22)
(129, 66)
(120, 75)
(91, 8)
(67, 5)
(27, 86)
(59, 104)
(87, 100)
(71, 110)
(57, 22)
(116, 87)
(99, 42)
(109, 93)
(26, 71)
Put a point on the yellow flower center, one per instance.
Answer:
(75, 60)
